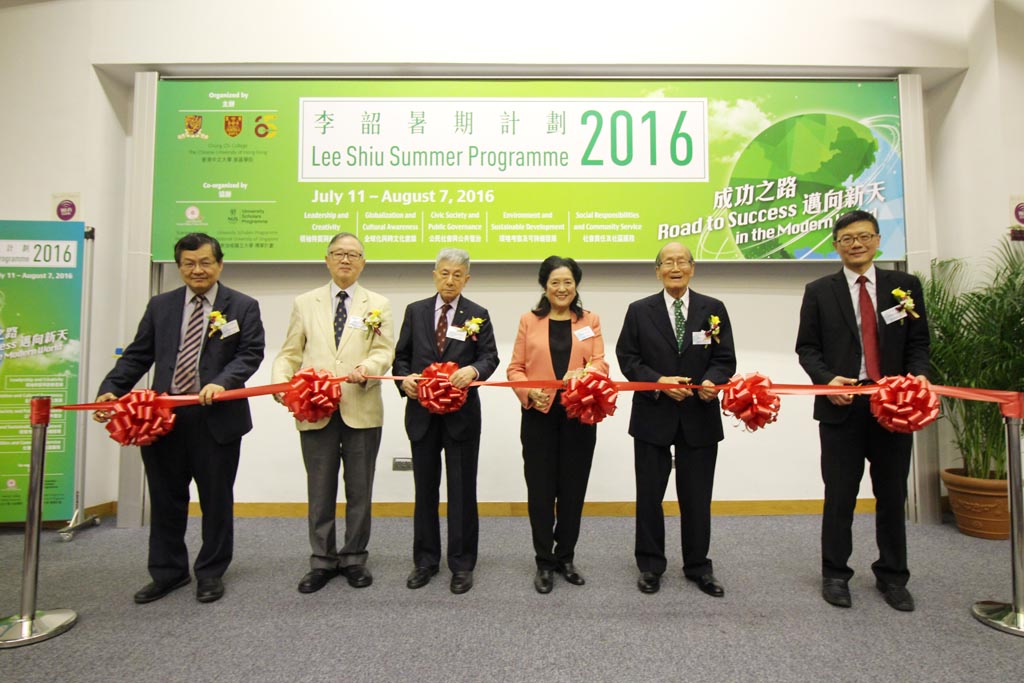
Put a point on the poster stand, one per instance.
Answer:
(80, 519)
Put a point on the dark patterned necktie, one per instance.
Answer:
(441, 334)
(340, 317)
(869, 331)
(186, 368)
(680, 324)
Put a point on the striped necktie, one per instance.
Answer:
(186, 369)
(680, 324)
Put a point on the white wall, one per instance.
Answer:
(68, 128)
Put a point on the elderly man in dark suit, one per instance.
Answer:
(856, 327)
(676, 336)
(445, 327)
(202, 339)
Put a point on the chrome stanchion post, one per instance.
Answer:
(1000, 615)
(31, 625)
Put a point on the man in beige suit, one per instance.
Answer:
(345, 330)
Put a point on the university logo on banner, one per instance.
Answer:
(232, 125)
(193, 127)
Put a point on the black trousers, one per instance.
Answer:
(844, 448)
(557, 454)
(190, 452)
(695, 479)
(460, 460)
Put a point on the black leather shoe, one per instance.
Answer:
(358, 575)
(420, 576)
(315, 579)
(649, 582)
(571, 574)
(708, 584)
(154, 591)
(544, 581)
(898, 597)
(209, 589)
(461, 582)
(836, 592)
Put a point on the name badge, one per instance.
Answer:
(355, 322)
(228, 329)
(584, 333)
(456, 333)
(891, 315)
(701, 338)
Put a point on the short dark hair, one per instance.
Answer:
(550, 264)
(194, 241)
(851, 217)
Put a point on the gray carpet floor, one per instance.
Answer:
(772, 624)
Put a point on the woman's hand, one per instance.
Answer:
(538, 399)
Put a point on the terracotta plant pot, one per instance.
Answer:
(981, 506)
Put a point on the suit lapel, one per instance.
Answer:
(841, 291)
(221, 303)
(325, 312)
(697, 313)
(883, 287)
(429, 327)
(356, 309)
(659, 319)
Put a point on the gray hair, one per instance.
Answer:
(342, 235)
(456, 257)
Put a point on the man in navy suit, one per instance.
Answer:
(839, 345)
(442, 328)
(676, 336)
(193, 351)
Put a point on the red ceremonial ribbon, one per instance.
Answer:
(436, 393)
(904, 404)
(312, 395)
(750, 398)
(590, 398)
(138, 419)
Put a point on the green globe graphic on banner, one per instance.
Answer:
(826, 152)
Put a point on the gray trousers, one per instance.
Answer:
(324, 451)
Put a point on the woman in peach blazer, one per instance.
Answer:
(556, 340)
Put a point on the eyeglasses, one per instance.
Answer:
(863, 238)
(672, 263)
(345, 255)
(189, 266)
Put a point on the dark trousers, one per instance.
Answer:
(844, 448)
(460, 460)
(190, 452)
(324, 452)
(695, 478)
(557, 455)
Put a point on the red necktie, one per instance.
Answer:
(440, 336)
(869, 331)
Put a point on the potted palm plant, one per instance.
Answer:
(977, 336)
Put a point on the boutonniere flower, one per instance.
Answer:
(906, 302)
(472, 327)
(217, 321)
(714, 328)
(372, 322)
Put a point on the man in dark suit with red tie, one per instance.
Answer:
(857, 326)
(202, 339)
(676, 336)
(442, 328)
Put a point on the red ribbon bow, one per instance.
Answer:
(590, 398)
(436, 393)
(904, 404)
(312, 395)
(750, 398)
(138, 420)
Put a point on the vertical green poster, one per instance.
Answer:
(40, 348)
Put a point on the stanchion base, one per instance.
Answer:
(15, 631)
(77, 523)
(999, 615)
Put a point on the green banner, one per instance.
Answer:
(519, 170)
(40, 342)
